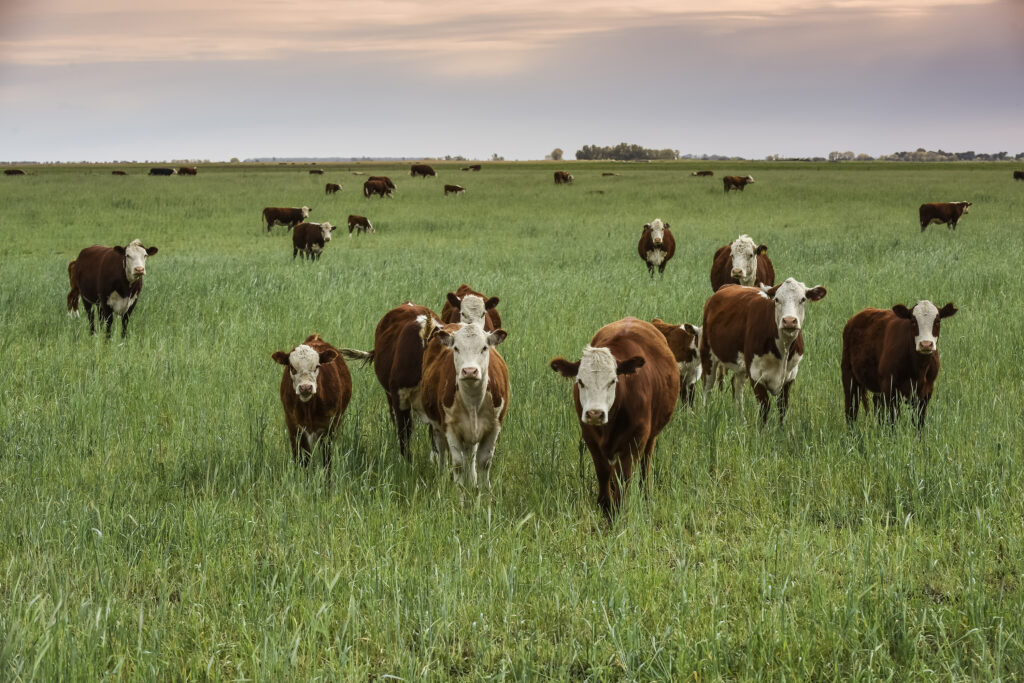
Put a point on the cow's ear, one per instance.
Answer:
(327, 356)
(496, 337)
(446, 338)
(454, 300)
(647, 226)
(902, 311)
(281, 357)
(657, 321)
(816, 293)
(565, 368)
(771, 291)
(667, 226)
(947, 311)
(151, 250)
(630, 365)
(761, 249)
(119, 250)
(333, 227)
(692, 329)
(491, 303)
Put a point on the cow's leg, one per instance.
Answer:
(484, 455)
(124, 323)
(891, 400)
(295, 252)
(851, 393)
(661, 269)
(403, 424)
(107, 316)
(89, 314)
(438, 445)
(921, 408)
(763, 401)
(650, 270)
(463, 462)
(783, 400)
(739, 378)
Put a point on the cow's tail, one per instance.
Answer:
(74, 293)
(366, 357)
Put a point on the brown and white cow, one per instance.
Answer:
(422, 170)
(942, 212)
(308, 239)
(563, 178)
(331, 188)
(475, 167)
(316, 171)
(280, 215)
(656, 246)
(13, 171)
(625, 393)
(316, 388)
(466, 305)
(757, 334)
(1018, 175)
(110, 278)
(684, 342)
(386, 180)
(376, 186)
(188, 170)
(742, 263)
(703, 174)
(359, 224)
(892, 353)
(733, 182)
(453, 189)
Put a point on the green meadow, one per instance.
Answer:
(154, 527)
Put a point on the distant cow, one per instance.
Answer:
(656, 246)
(331, 188)
(703, 173)
(188, 170)
(422, 170)
(316, 171)
(162, 171)
(474, 167)
(732, 182)
(359, 224)
(942, 212)
(625, 393)
(453, 189)
(118, 173)
(376, 186)
(1018, 175)
(280, 215)
(741, 262)
(562, 178)
(684, 342)
(13, 171)
(892, 353)
(386, 180)
(110, 278)
(316, 388)
(309, 239)
(756, 334)
(466, 305)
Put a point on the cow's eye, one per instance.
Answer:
(483, 350)
(802, 300)
(580, 382)
(611, 384)
(455, 349)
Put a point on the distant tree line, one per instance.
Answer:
(922, 154)
(624, 152)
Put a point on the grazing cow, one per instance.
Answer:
(684, 342)
(608, 173)
(13, 171)
(732, 182)
(562, 178)
(1018, 175)
(316, 171)
(625, 393)
(703, 174)
(466, 305)
(656, 246)
(453, 189)
(463, 396)
(279, 215)
(331, 188)
(942, 212)
(359, 224)
(892, 353)
(422, 170)
(315, 390)
(474, 167)
(386, 180)
(309, 239)
(162, 171)
(376, 186)
(188, 170)
(108, 277)
(756, 333)
(742, 263)
(118, 173)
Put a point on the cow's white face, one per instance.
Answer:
(966, 205)
(305, 212)
(925, 317)
(471, 350)
(304, 366)
(744, 260)
(597, 377)
(750, 178)
(657, 229)
(135, 260)
(790, 301)
(472, 310)
(325, 231)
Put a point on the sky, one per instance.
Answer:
(107, 80)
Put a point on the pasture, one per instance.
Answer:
(153, 526)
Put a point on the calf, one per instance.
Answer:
(108, 277)
(684, 342)
(280, 215)
(453, 189)
(465, 305)
(756, 333)
(315, 390)
(733, 182)
(656, 246)
(331, 188)
(422, 170)
(742, 263)
(625, 393)
(562, 178)
(359, 224)
(892, 353)
(309, 239)
(942, 212)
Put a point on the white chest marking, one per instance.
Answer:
(471, 426)
(689, 373)
(119, 304)
(655, 257)
(772, 372)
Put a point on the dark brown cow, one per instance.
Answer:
(422, 170)
(562, 178)
(460, 309)
(280, 215)
(110, 278)
(387, 181)
(474, 167)
(316, 388)
(359, 224)
(733, 182)
(703, 174)
(453, 189)
(656, 246)
(684, 342)
(742, 263)
(892, 353)
(162, 171)
(331, 188)
(625, 393)
(13, 171)
(118, 173)
(188, 170)
(316, 171)
(942, 212)
(376, 186)
(1018, 175)
(309, 239)
(756, 333)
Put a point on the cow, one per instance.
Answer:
(110, 278)
(607, 174)
(188, 170)
(474, 167)
(316, 388)
(656, 246)
(162, 171)
(625, 393)
(892, 353)
(732, 182)
(741, 262)
(309, 239)
(376, 186)
(463, 396)
(386, 180)
(453, 189)
(359, 224)
(942, 212)
(331, 188)
(684, 342)
(756, 333)
(703, 174)
(467, 305)
(316, 171)
(13, 171)
(422, 170)
(562, 178)
(1018, 175)
(118, 173)
(279, 215)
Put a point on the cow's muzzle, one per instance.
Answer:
(595, 417)
(790, 324)
(306, 392)
(737, 273)
(470, 373)
(926, 348)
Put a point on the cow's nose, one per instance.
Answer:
(305, 389)
(926, 346)
(471, 373)
(140, 270)
(594, 416)
(736, 272)
(789, 322)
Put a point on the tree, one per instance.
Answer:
(556, 154)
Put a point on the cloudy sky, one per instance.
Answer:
(213, 79)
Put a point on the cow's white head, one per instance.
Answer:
(472, 308)
(790, 299)
(966, 206)
(325, 231)
(744, 259)
(657, 229)
(305, 212)
(750, 178)
(304, 365)
(597, 377)
(135, 259)
(924, 319)
(471, 349)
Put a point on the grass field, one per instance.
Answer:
(153, 526)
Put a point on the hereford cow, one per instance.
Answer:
(656, 246)
(315, 390)
(463, 396)
(188, 170)
(110, 278)
(386, 180)
(309, 239)
(279, 215)
(316, 171)
(703, 173)
(1018, 175)
(376, 186)
(466, 305)
(422, 170)
(162, 171)
(756, 333)
(942, 212)
(453, 189)
(732, 182)
(331, 188)
(359, 224)
(474, 167)
(13, 171)
(684, 342)
(562, 178)
(118, 173)
(892, 353)
(625, 393)
(741, 262)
